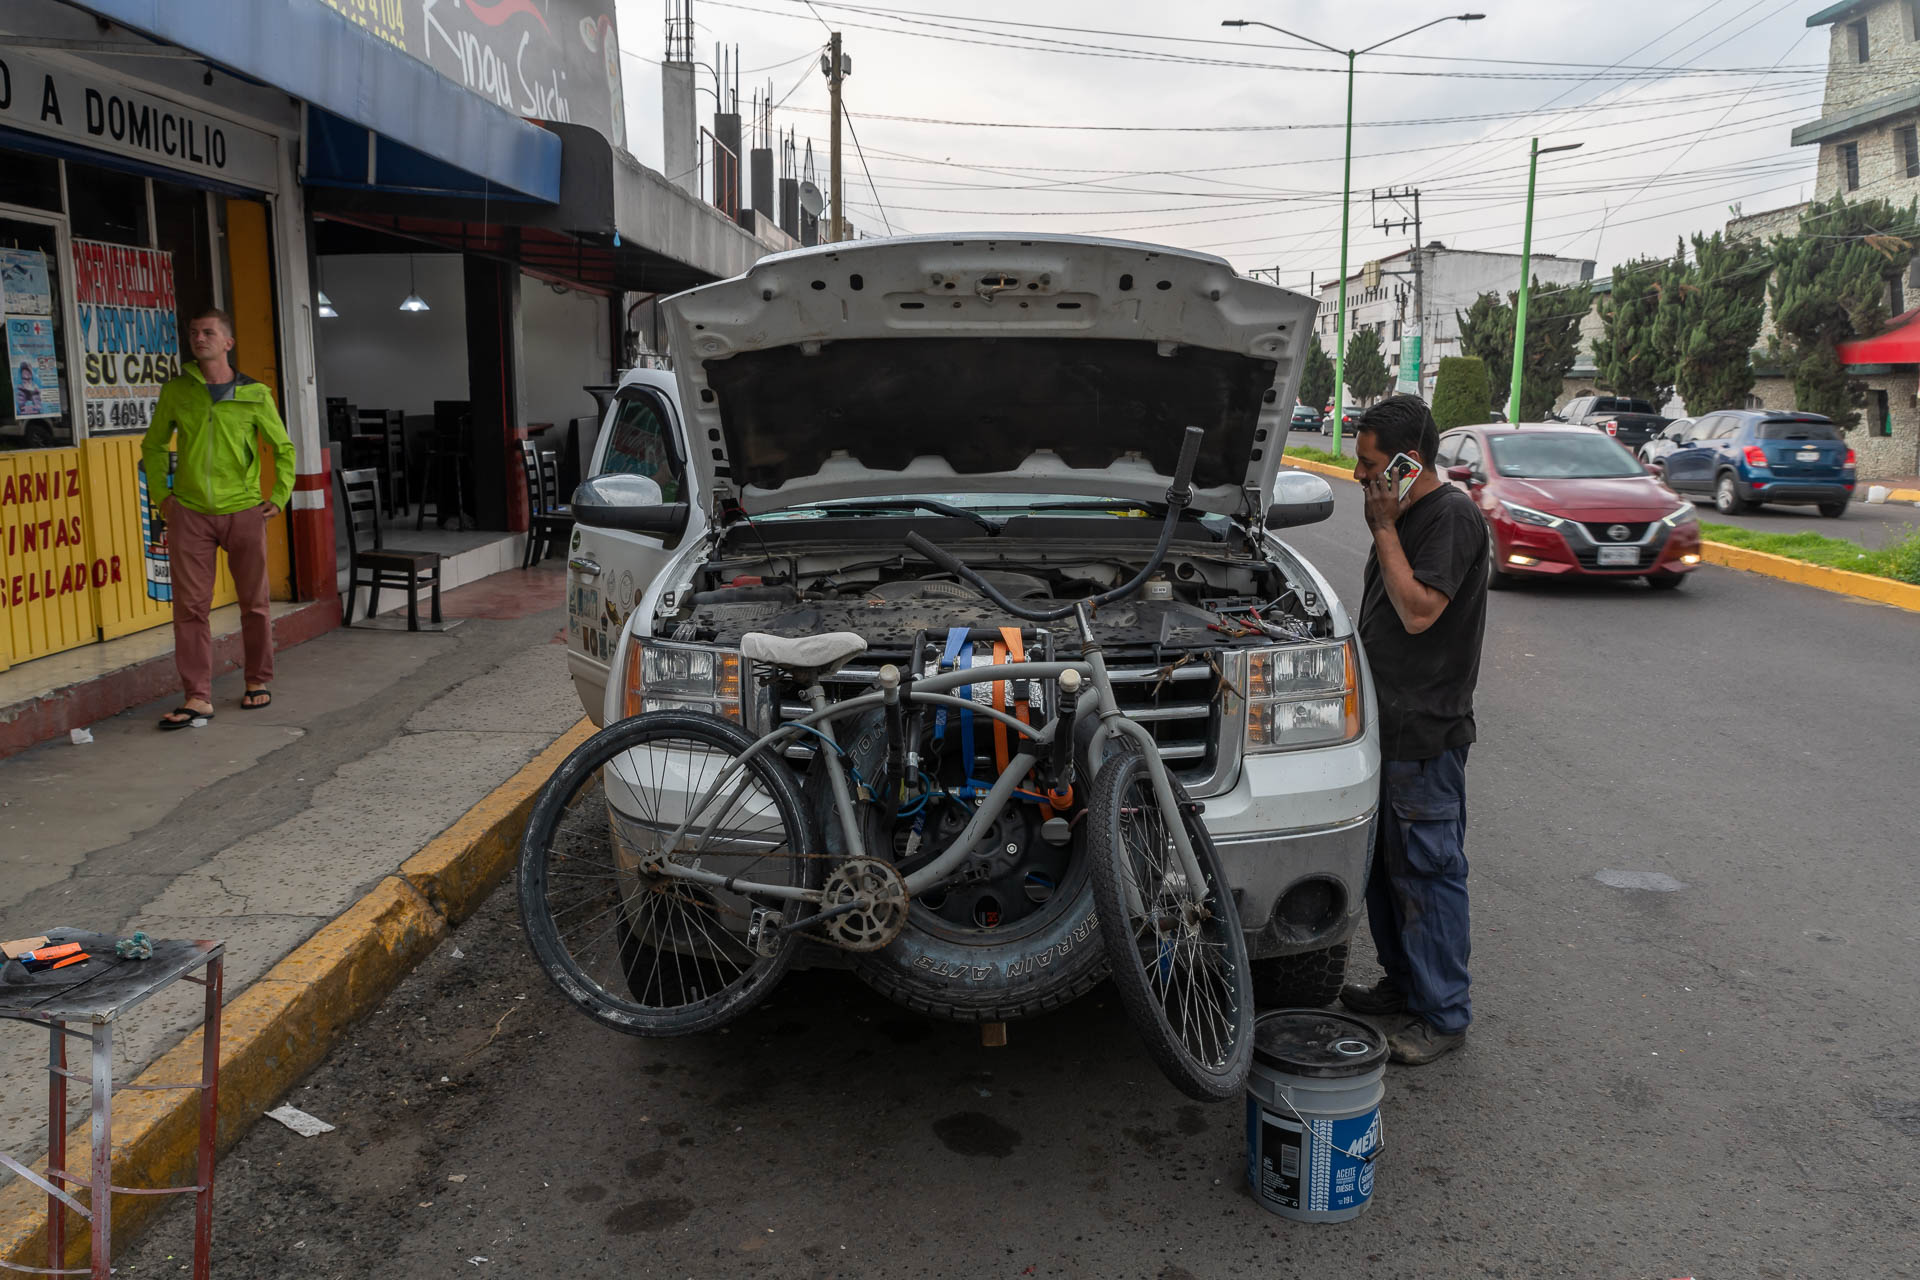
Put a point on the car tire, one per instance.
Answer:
(1042, 962)
(1833, 510)
(1496, 579)
(1665, 581)
(1310, 980)
(1726, 496)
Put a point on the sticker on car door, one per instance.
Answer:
(586, 620)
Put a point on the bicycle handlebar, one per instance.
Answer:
(1179, 495)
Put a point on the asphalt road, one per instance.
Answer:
(1714, 1081)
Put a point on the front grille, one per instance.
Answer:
(1599, 532)
(1179, 705)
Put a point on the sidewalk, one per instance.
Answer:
(263, 826)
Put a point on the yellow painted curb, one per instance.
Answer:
(1904, 495)
(1322, 468)
(1902, 595)
(459, 868)
(279, 1027)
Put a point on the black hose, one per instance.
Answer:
(1179, 494)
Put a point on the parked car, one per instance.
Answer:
(836, 399)
(1631, 422)
(1306, 418)
(1562, 501)
(1744, 457)
(1654, 452)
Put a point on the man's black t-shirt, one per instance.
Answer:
(1425, 682)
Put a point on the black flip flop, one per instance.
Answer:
(256, 693)
(192, 715)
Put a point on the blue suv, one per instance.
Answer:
(1744, 457)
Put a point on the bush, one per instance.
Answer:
(1461, 396)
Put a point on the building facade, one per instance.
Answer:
(1380, 296)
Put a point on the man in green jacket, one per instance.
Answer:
(212, 417)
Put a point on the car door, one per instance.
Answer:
(608, 570)
(1687, 466)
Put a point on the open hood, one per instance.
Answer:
(976, 364)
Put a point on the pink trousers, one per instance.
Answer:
(191, 539)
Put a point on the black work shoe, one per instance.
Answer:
(1380, 998)
(1417, 1044)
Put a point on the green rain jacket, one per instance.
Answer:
(218, 472)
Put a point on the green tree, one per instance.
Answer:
(1486, 332)
(1632, 354)
(1460, 394)
(1553, 343)
(1714, 320)
(1316, 381)
(1829, 286)
(1367, 375)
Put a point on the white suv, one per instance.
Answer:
(1019, 402)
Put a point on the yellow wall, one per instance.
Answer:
(250, 269)
(47, 575)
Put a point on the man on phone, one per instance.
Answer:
(1422, 616)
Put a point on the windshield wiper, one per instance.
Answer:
(993, 527)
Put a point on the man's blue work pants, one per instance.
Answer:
(1417, 892)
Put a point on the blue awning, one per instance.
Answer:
(429, 134)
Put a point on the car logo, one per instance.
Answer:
(1618, 532)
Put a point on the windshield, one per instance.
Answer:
(1795, 429)
(1554, 456)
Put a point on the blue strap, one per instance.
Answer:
(956, 638)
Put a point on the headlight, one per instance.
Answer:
(1683, 514)
(1527, 515)
(681, 677)
(1305, 695)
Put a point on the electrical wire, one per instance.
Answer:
(855, 134)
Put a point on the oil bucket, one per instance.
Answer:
(1313, 1114)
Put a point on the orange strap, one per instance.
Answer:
(1008, 648)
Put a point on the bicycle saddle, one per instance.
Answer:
(823, 654)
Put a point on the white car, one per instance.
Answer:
(1020, 402)
(1670, 437)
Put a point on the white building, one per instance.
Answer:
(1380, 295)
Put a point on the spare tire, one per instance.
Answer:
(1041, 960)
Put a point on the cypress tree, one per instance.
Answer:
(1367, 375)
(1316, 381)
(1460, 395)
(1829, 286)
(1713, 322)
(1630, 356)
(1553, 342)
(1486, 333)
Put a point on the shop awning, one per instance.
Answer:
(1900, 344)
(377, 116)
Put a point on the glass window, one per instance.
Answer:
(1801, 428)
(1908, 140)
(1858, 30)
(1560, 455)
(30, 181)
(1879, 415)
(1469, 455)
(1449, 450)
(180, 217)
(640, 446)
(37, 410)
(1850, 162)
(105, 204)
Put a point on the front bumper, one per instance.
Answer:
(1295, 834)
(1525, 549)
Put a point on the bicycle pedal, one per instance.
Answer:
(764, 928)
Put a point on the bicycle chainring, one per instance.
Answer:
(871, 900)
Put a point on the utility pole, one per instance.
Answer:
(836, 72)
(1414, 342)
(1526, 278)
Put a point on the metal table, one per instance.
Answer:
(97, 993)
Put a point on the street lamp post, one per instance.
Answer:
(1526, 279)
(1346, 190)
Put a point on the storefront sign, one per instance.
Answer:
(129, 330)
(551, 60)
(56, 102)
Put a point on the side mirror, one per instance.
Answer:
(628, 502)
(1299, 498)
(1462, 474)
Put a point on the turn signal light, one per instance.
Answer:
(1756, 456)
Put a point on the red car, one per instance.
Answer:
(1570, 501)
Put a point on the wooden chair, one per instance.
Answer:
(381, 437)
(549, 521)
(448, 459)
(378, 566)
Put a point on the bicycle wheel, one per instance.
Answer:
(651, 954)
(1178, 957)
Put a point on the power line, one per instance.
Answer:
(848, 117)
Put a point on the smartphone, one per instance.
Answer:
(1402, 472)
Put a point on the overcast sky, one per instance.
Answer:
(1683, 106)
